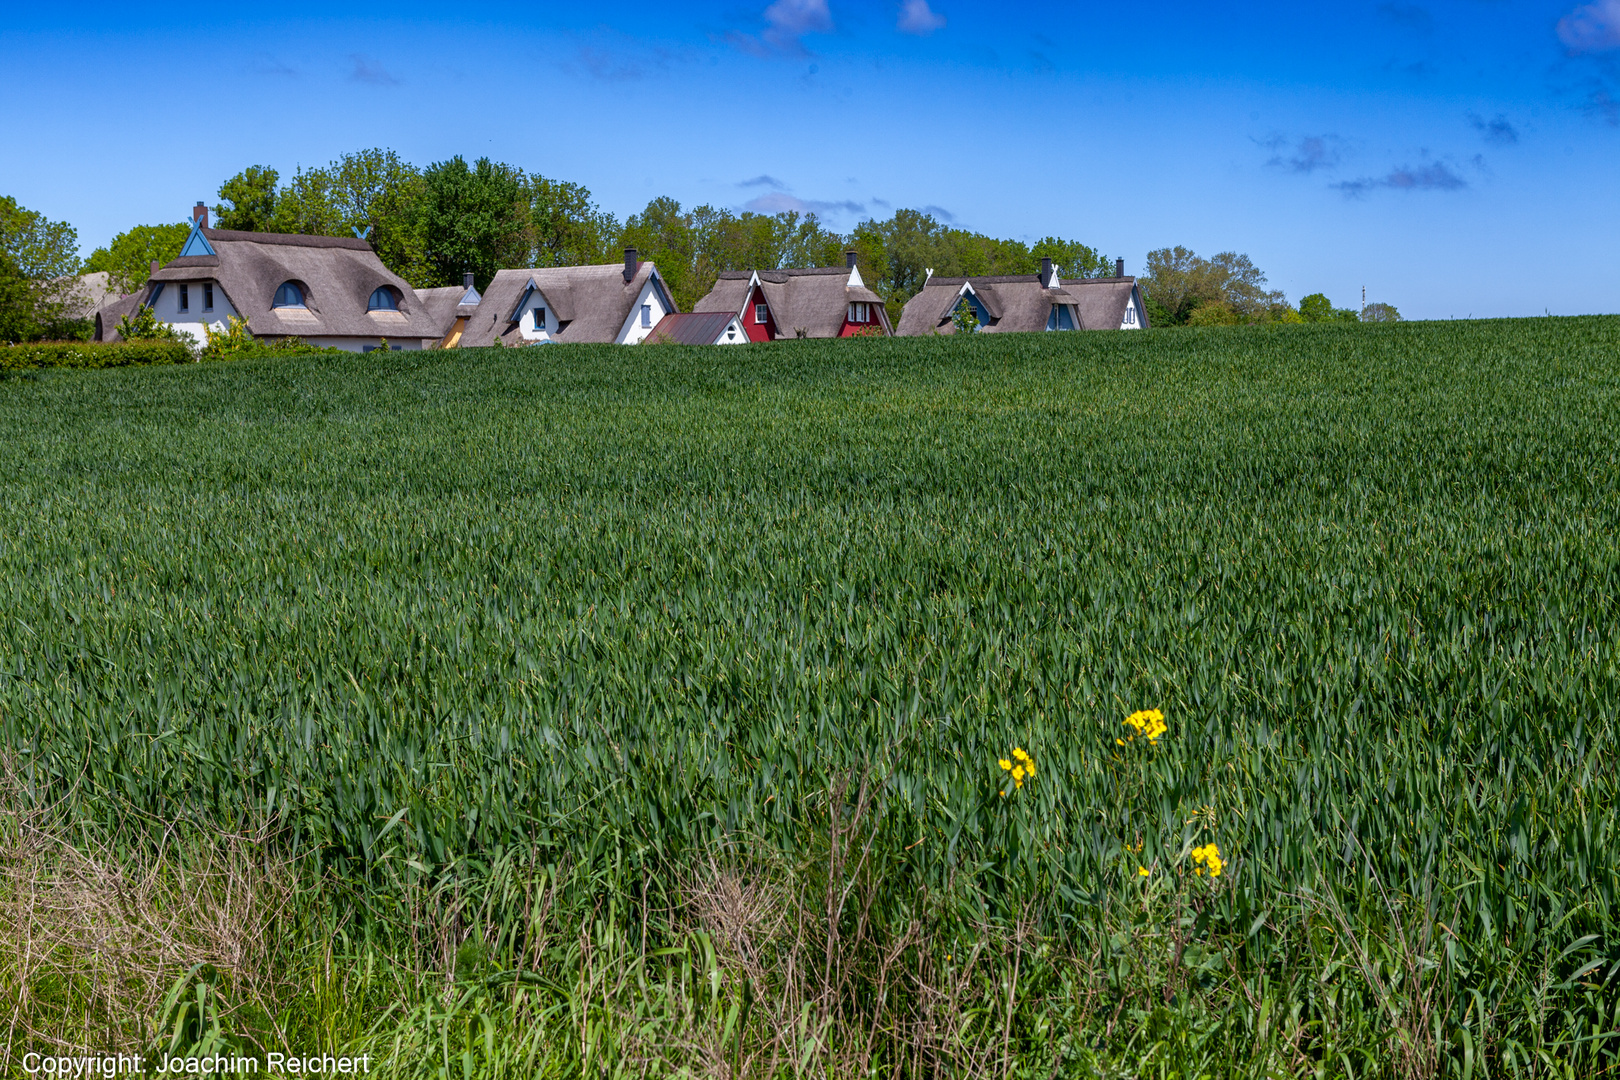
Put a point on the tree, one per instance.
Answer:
(248, 200)
(565, 227)
(1180, 282)
(664, 234)
(17, 321)
(1072, 259)
(1380, 313)
(1317, 308)
(128, 257)
(39, 264)
(471, 218)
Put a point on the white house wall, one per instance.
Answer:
(191, 321)
(526, 327)
(633, 330)
(1133, 315)
(734, 333)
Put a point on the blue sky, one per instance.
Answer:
(1455, 157)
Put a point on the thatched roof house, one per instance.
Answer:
(1020, 303)
(328, 290)
(824, 302)
(606, 303)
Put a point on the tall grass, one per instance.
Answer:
(640, 710)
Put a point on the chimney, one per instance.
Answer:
(630, 264)
(1046, 272)
(199, 214)
(466, 281)
(154, 266)
(850, 259)
(1119, 267)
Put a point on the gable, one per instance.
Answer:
(197, 243)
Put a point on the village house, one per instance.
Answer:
(699, 328)
(1022, 303)
(328, 290)
(824, 302)
(602, 304)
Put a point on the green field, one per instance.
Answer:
(601, 711)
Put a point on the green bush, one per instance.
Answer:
(84, 354)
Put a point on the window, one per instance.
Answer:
(208, 297)
(1130, 315)
(539, 318)
(381, 300)
(185, 298)
(761, 313)
(860, 313)
(646, 315)
(289, 295)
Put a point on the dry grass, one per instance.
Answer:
(92, 939)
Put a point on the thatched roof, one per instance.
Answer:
(593, 302)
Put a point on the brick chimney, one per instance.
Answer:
(466, 280)
(630, 264)
(1046, 272)
(199, 214)
(850, 259)
(154, 266)
(1119, 267)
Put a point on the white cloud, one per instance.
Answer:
(916, 17)
(790, 20)
(778, 202)
(1591, 27)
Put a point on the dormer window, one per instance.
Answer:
(646, 315)
(761, 313)
(860, 313)
(381, 300)
(288, 296)
(539, 318)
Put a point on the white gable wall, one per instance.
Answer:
(636, 328)
(195, 317)
(1133, 315)
(734, 333)
(526, 326)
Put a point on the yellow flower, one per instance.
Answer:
(1142, 871)
(1018, 774)
(1005, 764)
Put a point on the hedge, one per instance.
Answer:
(81, 354)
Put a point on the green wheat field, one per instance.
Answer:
(616, 712)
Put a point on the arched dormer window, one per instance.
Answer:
(289, 295)
(383, 300)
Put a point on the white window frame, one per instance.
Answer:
(762, 314)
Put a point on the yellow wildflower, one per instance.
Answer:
(1149, 723)
(1005, 764)
(1142, 871)
(1208, 858)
